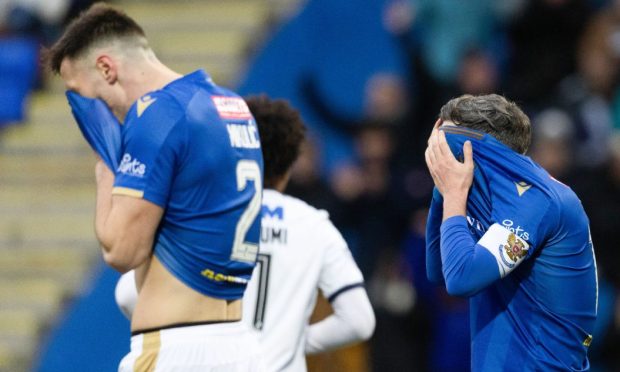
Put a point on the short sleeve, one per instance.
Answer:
(339, 272)
(152, 143)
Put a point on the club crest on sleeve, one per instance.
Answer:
(515, 249)
(508, 248)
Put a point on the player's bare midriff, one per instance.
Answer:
(163, 300)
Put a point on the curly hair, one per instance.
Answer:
(100, 23)
(282, 132)
(492, 114)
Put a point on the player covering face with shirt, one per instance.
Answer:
(504, 233)
(300, 251)
(178, 192)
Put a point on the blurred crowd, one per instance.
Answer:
(558, 59)
(25, 26)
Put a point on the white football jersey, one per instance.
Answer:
(300, 251)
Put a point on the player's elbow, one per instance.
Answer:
(434, 276)
(365, 325)
(459, 288)
(115, 260)
(122, 258)
(366, 329)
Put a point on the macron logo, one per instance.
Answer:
(522, 187)
(131, 167)
(144, 103)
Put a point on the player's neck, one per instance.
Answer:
(145, 77)
(280, 183)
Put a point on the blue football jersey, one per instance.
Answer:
(538, 312)
(99, 127)
(193, 149)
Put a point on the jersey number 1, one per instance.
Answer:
(247, 170)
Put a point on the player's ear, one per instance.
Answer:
(107, 68)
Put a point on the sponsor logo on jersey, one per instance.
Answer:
(232, 107)
(143, 103)
(243, 136)
(475, 226)
(522, 187)
(518, 231)
(131, 167)
(219, 277)
(277, 212)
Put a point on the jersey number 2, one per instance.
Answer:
(247, 170)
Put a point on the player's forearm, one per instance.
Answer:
(455, 204)
(467, 267)
(353, 321)
(121, 249)
(124, 248)
(125, 253)
(105, 182)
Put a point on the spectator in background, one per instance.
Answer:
(448, 345)
(587, 95)
(367, 190)
(477, 74)
(24, 26)
(553, 142)
(307, 184)
(452, 47)
(42, 20)
(18, 71)
(20, 21)
(400, 342)
(327, 54)
(543, 38)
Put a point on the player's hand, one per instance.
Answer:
(427, 153)
(452, 178)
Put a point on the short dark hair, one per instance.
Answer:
(491, 114)
(98, 23)
(282, 132)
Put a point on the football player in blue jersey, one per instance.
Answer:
(504, 233)
(181, 207)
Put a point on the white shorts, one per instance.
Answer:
(210, 347)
